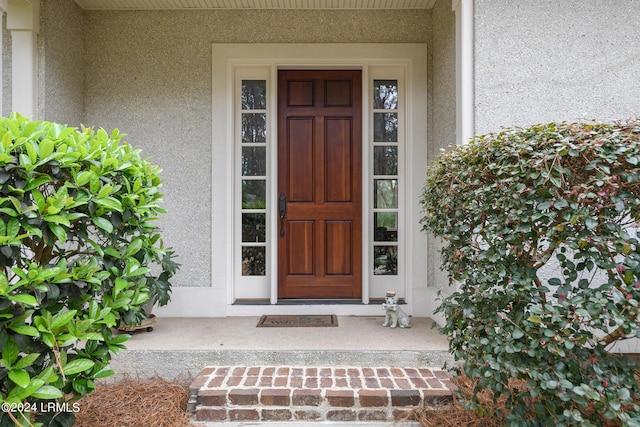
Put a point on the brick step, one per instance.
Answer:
(327, 393)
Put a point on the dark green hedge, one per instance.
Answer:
(540, 230)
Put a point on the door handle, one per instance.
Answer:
(282, 204)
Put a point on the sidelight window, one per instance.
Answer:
(385, 177)
(253, 142)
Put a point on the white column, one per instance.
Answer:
(22, 21)
(465, 108)
(3, 10)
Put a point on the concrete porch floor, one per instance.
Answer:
(181, 347)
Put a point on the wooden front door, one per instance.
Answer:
(319, 184)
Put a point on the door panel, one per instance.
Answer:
(319, 170)
(300, 153)
(338, 93)
(338, 160)
(300, 93)
(339, 247)
(301, 241)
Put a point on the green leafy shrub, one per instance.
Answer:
(79, 254)
(540, 230)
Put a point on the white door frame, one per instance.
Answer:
(412, 58)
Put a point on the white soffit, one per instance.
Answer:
(252, 4)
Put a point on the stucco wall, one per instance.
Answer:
(5, 102)
(443, 74)
(149, 74)
(549, 60)
(61, 47)
(442, 130)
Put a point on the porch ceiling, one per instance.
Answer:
(252, 4)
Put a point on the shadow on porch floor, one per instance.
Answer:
(183, 346)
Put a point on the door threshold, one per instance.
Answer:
(300, 301)
(304, 301)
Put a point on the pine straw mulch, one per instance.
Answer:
(454, 415)
(135, 402)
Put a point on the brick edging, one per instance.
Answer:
(267, 393)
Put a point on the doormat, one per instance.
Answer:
(269, 321)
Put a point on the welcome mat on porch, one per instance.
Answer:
(297, 320)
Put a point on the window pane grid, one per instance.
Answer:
(385, 178)
(254, 95)
(254, 127)
(254, 260)
(385, 260)
(385, 94)
(252, 139)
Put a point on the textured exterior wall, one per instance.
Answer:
(149, 74)
(443, 74)
(61, 66)
(442, 129)
(5, 102)
(549, 60)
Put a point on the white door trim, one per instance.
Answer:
(226, 57)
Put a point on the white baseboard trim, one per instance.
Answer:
(211, 302)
